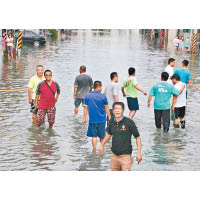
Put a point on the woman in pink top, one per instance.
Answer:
(9, 42)
(3, 42)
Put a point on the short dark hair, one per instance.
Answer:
(176, 77)
(83, 68)
(171, 60)
(40, 66)
(47, 71)
(164, 76)
(185, 62)
(97, 84)
(112, 75)
(131, 70)
(118, 103)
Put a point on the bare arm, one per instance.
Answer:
(149, 101)
(189, 82)
(173, 102)
(75, 92)
(36, 100)
(116, 98)
(90, 89)
(107, 111)
(104, 141)
(30, 95)
(182, 89)
(139, 146)
(139, 89)
(85, 114)
(123, 92)
(57, 96)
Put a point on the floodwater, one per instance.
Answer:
(66, 146)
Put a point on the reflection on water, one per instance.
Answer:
(66, 147)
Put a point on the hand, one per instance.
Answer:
(148, 105)
(36, 106)
(84, 121)
(75, 97)
(145, 94)
(101, 150)
(172, 108)
(124, 95)
(30, 101)
(139, 157)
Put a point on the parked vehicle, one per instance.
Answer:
(30, 37)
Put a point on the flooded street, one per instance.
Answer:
(66, 146)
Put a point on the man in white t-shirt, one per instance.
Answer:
(170, 69)
(176, 43)
(180, 105)
(112, 91)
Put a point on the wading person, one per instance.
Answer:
(96, 104)
(130, 90)
(45, 99)
(112, 91)
(180, 105)
(121, 130)
(82, 86)
(184, 73)
(170, 69)
(32, 86)
(162, 92)
(176, 43)
(9, 42)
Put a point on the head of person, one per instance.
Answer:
(3, 34)
(118, 109)
(98, 86)
(40, 70)
(185, 63)
(114, 77)
(131, 71)
(82, 69)
(175, 78)
(171, 62)
(48, 75)
(164, 76)
(9, 35)
(182, 37)
(188, 38)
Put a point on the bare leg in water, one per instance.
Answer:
(132, 114)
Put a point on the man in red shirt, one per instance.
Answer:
(45, 99)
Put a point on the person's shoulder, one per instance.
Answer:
(127, 120)
(55, 82)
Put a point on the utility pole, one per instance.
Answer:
(194, 42)
(166, 38)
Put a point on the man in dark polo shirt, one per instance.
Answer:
(121, 128)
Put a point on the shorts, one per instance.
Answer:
(97, 130)
(179, 112)
(121, 162)
(51, 113)
(9, 48)
(78, 101)
(132, 103)
(34, 110)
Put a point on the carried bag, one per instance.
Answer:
(50, 88)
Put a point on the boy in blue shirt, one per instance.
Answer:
(184, 73)
(96, 104)
(162, 92)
